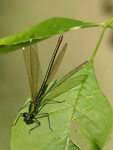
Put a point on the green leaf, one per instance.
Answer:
(93, 112)
(85, 102)
(41, 31)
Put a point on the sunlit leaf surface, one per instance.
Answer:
(41, 31)
(85, 102)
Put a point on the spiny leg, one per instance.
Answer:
(44, 102)
(17, 119)
(24, 106)
(38, 124)
(48, 100)
(46, 114)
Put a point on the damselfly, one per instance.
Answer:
(38, 89)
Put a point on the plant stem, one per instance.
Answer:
(101, 36)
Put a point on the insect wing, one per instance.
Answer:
(33, 68)
(68, 75)
(65, 84)
(50, 72)
(57, 64)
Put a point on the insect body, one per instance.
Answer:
(38, 89)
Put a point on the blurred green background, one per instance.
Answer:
(16, 16)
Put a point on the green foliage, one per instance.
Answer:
(85, 102)
(41, 31)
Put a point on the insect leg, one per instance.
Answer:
(17, 119)
(46, 101)
(38, 124)
(49, 100)
(46, 115)
(24, 106)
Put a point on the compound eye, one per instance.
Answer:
(24, 114)
(31, 116)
